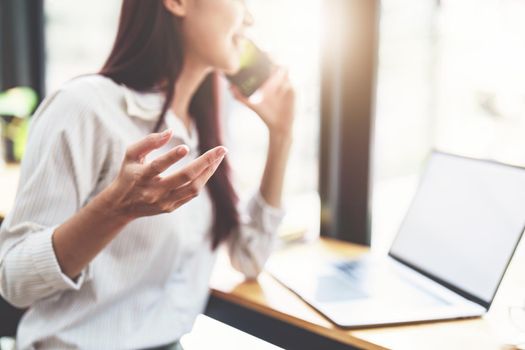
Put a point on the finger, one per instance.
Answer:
(278, 76)
(240, 97)
(274, 82)
(203, 178)
(179, 202)
(286, 88)
(285, 83)
(193, 188)
(174, 202)
(195, 168)
(160, 164)
(237, 93)
(138, 150)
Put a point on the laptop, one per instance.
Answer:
(446, 262)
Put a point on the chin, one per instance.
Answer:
(231, 67)
(232, 71)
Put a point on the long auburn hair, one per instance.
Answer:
(148, 54)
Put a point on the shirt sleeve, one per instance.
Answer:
(64, 157)
(252, 243)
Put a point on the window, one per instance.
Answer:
(404, 113)
(450, 77)
(79, 36)
(480, 79)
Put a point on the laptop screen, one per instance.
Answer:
(464, 223)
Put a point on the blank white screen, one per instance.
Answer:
(464, 222)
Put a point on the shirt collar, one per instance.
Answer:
(148, 105)
(143, 105)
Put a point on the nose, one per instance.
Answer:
(248, 18)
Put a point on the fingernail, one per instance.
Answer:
(223, 151)
(165, 133)
(183, 149)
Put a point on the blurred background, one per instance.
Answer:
(449, 75)
(380, 84)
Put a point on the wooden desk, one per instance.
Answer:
(270, 298)
(8, 185)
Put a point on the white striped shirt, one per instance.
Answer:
(148, 285)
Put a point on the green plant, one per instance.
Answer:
(18, 102)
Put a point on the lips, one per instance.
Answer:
(238, 40)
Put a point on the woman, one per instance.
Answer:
(115, 229)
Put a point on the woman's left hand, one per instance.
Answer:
(276, 105)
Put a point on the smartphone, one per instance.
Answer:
(256, 67)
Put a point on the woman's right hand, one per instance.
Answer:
(139, 190)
